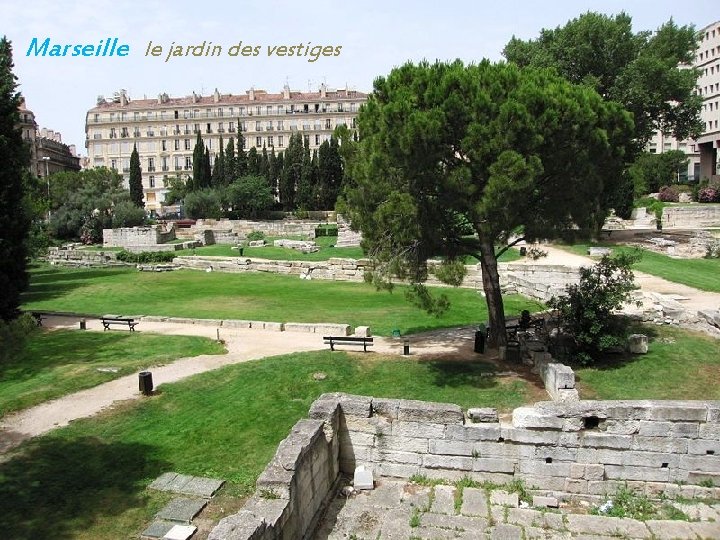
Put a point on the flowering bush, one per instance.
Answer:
(668, 194)
(708, 194)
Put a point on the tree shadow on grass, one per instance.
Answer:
(56, 488)
(610, 361)
(50, 285)
(457, 373)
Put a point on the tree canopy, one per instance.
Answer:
(648, 73)
(14, 215)
(136, 187)
(489, 149)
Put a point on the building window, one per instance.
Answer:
(196, 128)
(207, 128)
(187, 144)
(165, 166)
(241, 111)
(280, 109)
(151, 164)
(152, 181)
(97, 118)
(280, 125)
(270, 140)
(188, 163)
(258, 110)
(177, 144)
(258, 127)
(258, 141)
(113, 164)
(178, 165)
(317, 140)
(221, 129)
(231, 127)
(280, 141)
(164, 145)
(220, 112)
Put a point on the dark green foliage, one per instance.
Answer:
(207, 171)
(330, 174)
(444, 147)
(126, 214)
(291, 172)
(14, 334)
(14, 207)
(198, 175)
(645, 72)
(177, 189)
(255, 235)
(230, 162)
(650, 171)
(136, 187)
(305, 194)
(83, 203)
(586, 310)
(145, 256)
(253, 162)
(218, 172)
(203, 203)
(249, 197)
(326, 230)
(241, 163)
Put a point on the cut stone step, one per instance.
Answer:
(181, 510)
(180, 532)
(158, 529)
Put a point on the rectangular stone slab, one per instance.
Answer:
(181, 510)
(180, 532)
(157, 529)
(162, 481)
(202, 487)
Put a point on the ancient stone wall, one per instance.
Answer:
(77, 257)
(700, 216)
(294, 488)
(128, 237)
(584, 449)
(538, 281)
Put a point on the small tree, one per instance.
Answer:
(586, 310)
(136, 187)
(249, 197)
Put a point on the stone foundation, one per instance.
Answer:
(585, 449)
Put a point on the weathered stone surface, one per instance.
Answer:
(437, 413)
(386, 407)
(473, 432)
(485, 414)
(637, 344)
(355, 405)
(433, 461)
(527, 517)
(180, 532)
(363, 479)
(418, 429)
(475, 502)
(503, 498)
(545, 502)
(181, 510)
(607, 526)
(157, 529)
(529, 417)
(595, 251)
(493, 465)
(706, 530)
(506, 532)
(444, 502)
(363, 331)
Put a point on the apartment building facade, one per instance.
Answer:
(165, 129)
(703, 152)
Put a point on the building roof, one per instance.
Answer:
(260, 96)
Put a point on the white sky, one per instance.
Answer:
(375, 36)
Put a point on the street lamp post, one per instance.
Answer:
(46, 159)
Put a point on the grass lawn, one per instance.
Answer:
(679, 365)
(254, 296)
(703, 274)
(64, 361)
(87, 481)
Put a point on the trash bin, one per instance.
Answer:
(406, 347)
(241, 250)
(512, 352)
(146, 382)
(396, 333)
(480, 341)
(523, 251)
(83, 325)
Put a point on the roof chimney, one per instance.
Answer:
(251, 93)
(286, 91)
(216, 96)
(123, 97)
(323, 91)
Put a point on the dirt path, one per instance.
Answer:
(242, 344)
(692, 299)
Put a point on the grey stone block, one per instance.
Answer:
(530, 418)
(402, 444)
(474, 503)
(503, 498)
(432, 461)
(444, 501)
(493, 465)
(157, 529)
(181, 510)
(202, 487)
(519, 435)
(418, 429)
(706, 530)
(660, 444)
(607, 526)
(619, 472)
(543, 501)
(670, 530)
(486, 414)
(437, 413)
(386, 407)
(452, 448)
(601, 440)
(506, 532)
(710, 431)
(473, 432)
(355, 405)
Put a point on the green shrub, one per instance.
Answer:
(326, 230)
(586, 310)
(14, 335)
(145, 257)
(126, 214)
(255, 235)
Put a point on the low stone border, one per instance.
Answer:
(311, 328)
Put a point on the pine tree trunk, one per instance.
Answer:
(491, 286)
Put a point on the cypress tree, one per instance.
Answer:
(207, 175)
(218, 171)
(14, 220)
(198, 176)
(241, 166)
(253, 162)
(136, 187)
(230, 163)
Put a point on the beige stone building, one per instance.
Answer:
(703, 152)
(165, 129)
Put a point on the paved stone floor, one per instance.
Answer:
(400, 510)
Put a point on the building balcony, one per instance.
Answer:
(151, 169)
(178, 168)
(165, 168)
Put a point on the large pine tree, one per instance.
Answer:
(14, 220)
(136, 187)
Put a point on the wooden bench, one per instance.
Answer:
(107, 321)
(513, 329)
(345, 340)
